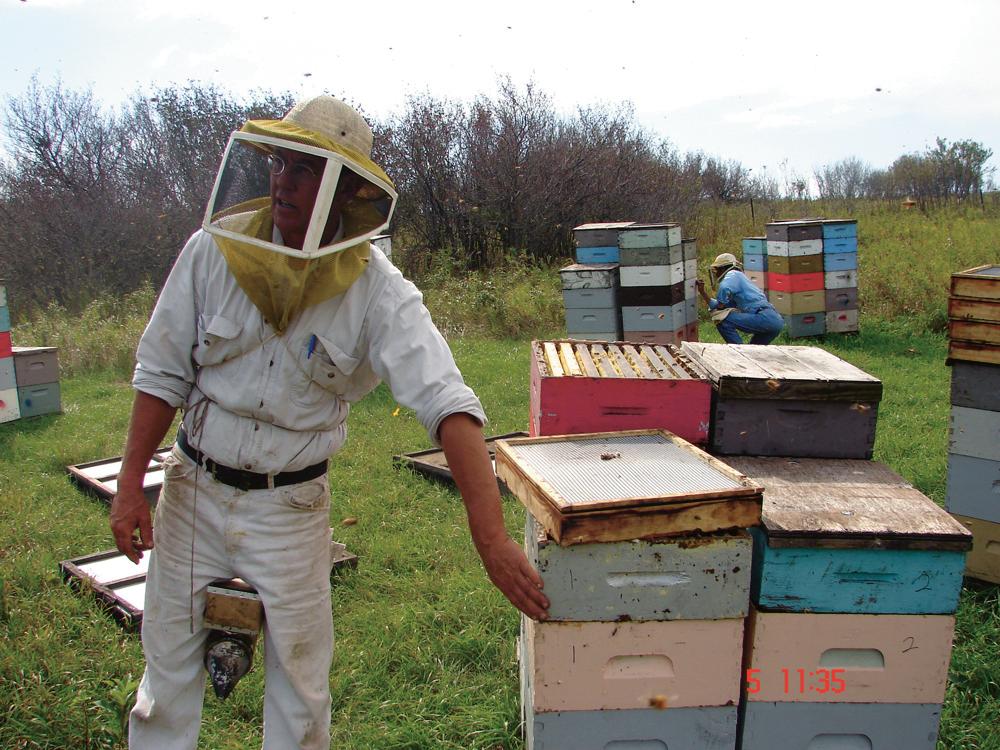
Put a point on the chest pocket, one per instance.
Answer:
(330, 370)
(218, 340)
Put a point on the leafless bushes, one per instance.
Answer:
(509, 174)
(945, 173)
(94, 201)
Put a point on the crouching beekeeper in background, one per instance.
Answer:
(276, 316)
(739, 306)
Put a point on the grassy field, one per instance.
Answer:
(425, 646)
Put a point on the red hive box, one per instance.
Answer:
(585, 386)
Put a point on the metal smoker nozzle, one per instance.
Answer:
(228, 656)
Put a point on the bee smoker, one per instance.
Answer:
(234, 615)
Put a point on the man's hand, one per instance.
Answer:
(510, 571)
(505, 562)
(151, 418)
(130, 513)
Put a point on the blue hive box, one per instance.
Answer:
(851, 536)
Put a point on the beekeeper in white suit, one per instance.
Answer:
(276, 316)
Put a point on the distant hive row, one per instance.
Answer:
(29, 376)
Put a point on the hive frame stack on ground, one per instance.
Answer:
(755, 261)
(658, 305)
(591, 300)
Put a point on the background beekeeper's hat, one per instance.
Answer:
(722, 263)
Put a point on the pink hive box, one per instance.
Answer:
(583, 386)
(582, 666)
(881, 658)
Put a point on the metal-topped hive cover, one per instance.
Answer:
(602, 225)
(612, 360)
(618, 468)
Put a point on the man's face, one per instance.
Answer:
(293, 193)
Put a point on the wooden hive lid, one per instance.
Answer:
(599, 359)
(782, 372)
(847, 503)
(615, 470)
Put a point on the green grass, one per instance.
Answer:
(425, 646)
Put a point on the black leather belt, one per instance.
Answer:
(248, 480)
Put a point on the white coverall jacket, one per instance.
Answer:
(266, 404)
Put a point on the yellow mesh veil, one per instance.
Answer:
(281, 285)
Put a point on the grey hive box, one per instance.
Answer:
(36, 365)
(683, 578)
(839, 726)
(603, 234)
(650, 235)
(787, 401)
(794, 231)
(975, 385)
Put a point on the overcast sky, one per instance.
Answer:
(760, 82)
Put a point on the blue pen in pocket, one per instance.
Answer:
(312, 346)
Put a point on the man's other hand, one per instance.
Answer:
(130, 514)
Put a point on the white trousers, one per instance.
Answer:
(278, 541)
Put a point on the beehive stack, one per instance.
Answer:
(812, 275)
(795, 275)
(755, 261)
(974, 445)
(856, 579)
(588, 387)
(37, 371)
(840, 275)
(9, 409)
(653, 296)
(590, 286)
(590, 299)
(643, 642)
(787, 401)
(690, 289)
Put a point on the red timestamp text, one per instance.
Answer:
(801, 681)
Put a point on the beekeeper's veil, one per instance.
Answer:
(294, 204)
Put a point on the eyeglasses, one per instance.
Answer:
(299, 170)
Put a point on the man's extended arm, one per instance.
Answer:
(505, 562)
(151, 418)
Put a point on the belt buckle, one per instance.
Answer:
(242, 482)
(210, 467)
